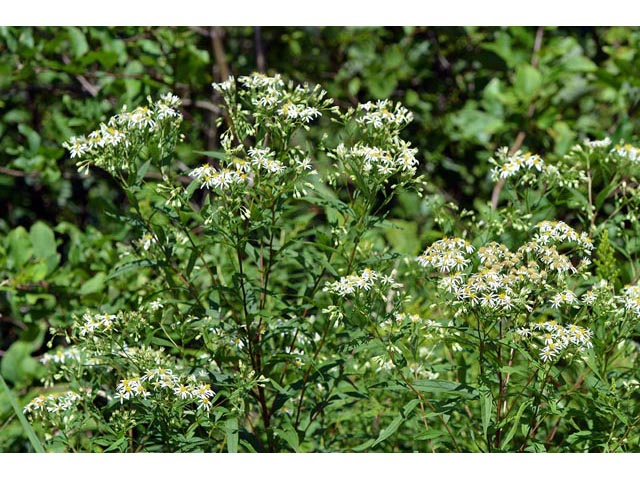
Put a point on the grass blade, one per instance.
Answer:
(35, 442)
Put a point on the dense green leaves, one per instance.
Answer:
(237, 281)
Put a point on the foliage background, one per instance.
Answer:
(471, 90)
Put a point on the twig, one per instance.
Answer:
(215, 33)
(92, 89)
(12, 173)
(202, 104)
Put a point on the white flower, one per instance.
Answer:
(128, 388)
(147, 240)
(183, 391)
(155, 305)
(204, 403)
(77, 146)
(203, 390)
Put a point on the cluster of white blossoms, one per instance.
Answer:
(566, 297)
(162, 380)
(381, 161)
(556, 339)
(303, 112)
(273, 97)
(238, 171)
(222, 179)
(383, 114)
(364, 281)
(447, 254)
(507, 165)
(506, 280)
(44, 405)
(604, 143)
(630, 299)
(628, 152)
(106, 146)
(379, 153)
(95, 323)
(61, 356)
(560, 232)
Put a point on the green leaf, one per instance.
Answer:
(130, 267)
(31, 435)
(231, 431)
(289, 435)
(43, 240)
(396, 422)
(20, 249)
(192, 261)
(486, 406)
(527, 83)
(445, 387)
(579, 64)
(95, 284)
(515, 423)
(79, 45)
(17, 365)
(473, 124)
(33, 138)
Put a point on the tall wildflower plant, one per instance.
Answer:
(554, 334)
(239, 338)
(274, 315)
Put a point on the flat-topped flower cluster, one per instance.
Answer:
(508, 165)
(45, 407)
(381, 154)
(162, 381)
(364, 281)
(497, 281)
(557, 339)
(116, 143)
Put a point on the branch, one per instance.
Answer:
(92, 89)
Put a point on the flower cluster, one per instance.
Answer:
(556, 339)
(364, 281)
(447, 254)
(273, 98)
(560, 232)
(96, 323)
(506, 280)
(566, 297)
(631, 299)
(162, 380)
(628, 152)
(379, 153)
(109, 146)
(383, 114)
(238, 171)
(222, 179)
(507, 165)
(146, 241)
(258, 102)
(604, 143)
(378, 160)
(44, 405)
(61, 356)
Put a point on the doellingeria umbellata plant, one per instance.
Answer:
(276, 317)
